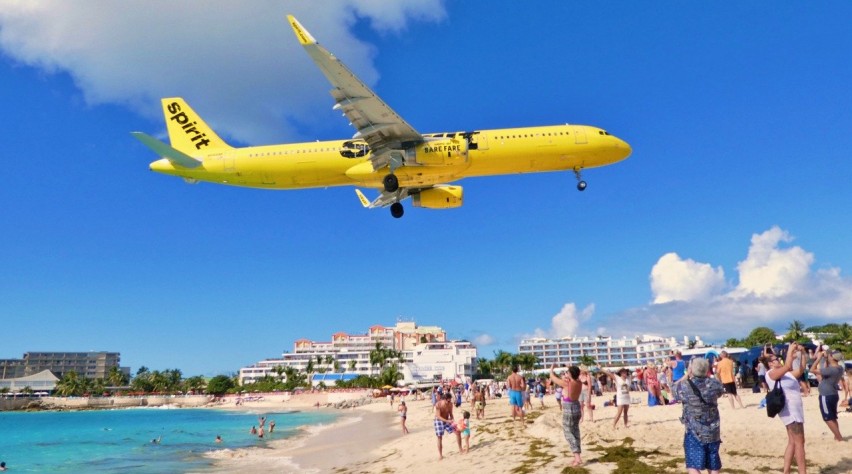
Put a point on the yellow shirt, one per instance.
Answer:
(725, 368)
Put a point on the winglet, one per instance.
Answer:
(301, 33)
(364, 201)
(176, 157)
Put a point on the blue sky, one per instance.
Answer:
(732, 212)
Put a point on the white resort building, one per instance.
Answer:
(606, 351)
(427, 355)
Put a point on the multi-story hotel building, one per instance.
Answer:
(91, 365)
(606, 351)
(426, 354)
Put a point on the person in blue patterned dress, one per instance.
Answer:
(702, 438)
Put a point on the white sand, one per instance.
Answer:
(751, 442)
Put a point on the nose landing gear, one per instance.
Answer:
(581, 185)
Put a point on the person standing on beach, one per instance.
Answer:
(403, 414)
(725, 374)
(700, 394)
(444, 423)
(678, 368)
(571, 412)
(828, 396)
(517, 386)
(478, 402)
(464, 428)
(622, 394)
(652, 382)
(793, 413)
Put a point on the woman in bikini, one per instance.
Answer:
(571, 413)
(403, 414)
(652, 382)
(586, 406)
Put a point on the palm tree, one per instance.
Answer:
(795, 330)
(352, 364)
(525, 361)
(195, 384)
(503, 362)
(71, 385)
(587, 360)
(116, 378)
(279, 371)
(378, 356)
(484, 368)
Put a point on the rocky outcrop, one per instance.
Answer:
(352, 403)
(106, 403)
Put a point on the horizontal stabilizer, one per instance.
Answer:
(176, 157)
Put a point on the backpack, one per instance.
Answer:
(775, 400)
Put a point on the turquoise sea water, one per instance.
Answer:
(120, 440)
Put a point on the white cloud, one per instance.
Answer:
(237, 63)
(484, 340)
(776, 284)
(771, 271)
(676, 279)
(566, 322)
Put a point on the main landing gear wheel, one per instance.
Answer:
(391, 183)
(396, 209)
(581, 185)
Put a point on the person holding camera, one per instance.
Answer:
(830, 374)
(793, 413)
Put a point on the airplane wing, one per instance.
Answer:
(376, 123)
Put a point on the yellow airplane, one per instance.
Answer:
(386, 153)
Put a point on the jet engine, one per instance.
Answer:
(439, 197)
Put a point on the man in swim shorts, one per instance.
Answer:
(444, 423)
(517, 385)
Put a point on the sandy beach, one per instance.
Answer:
(368, 439)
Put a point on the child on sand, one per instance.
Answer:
(464, 427)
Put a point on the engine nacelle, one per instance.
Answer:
(439, 197)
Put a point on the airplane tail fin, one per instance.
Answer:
(187, 131)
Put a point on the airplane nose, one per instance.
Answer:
(623, 147)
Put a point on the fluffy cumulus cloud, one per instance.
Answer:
(566, 322)
(770, 271)
(776, 283)
(676, 279)
(237, 63)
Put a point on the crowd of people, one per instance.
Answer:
(697, 386)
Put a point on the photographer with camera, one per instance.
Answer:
(792, 415)
(830, 374)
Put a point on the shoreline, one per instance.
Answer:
(368, 439)
(350, 439)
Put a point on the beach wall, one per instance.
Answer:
(105, 403)
(12, 404)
